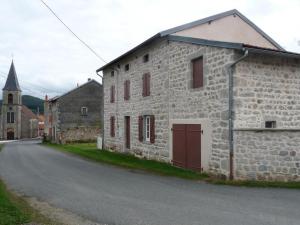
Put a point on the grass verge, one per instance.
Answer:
(89, 151)
(14, 210)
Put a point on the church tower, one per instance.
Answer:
(11, 106)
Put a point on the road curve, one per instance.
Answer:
(116, 196)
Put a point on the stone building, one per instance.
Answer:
(216, 95)
(75, 115)
(17, 121)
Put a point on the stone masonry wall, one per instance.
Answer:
(267, 155)
(267, 89)
(171, 98)
(80, 134)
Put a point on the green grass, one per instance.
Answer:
(261, 184)
(89, 151)
(10, 212)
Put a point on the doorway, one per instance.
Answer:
(10, 135)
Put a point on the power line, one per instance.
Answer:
(84, 43)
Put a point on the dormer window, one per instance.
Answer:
(10, 98)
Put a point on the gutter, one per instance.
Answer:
(97, 72)
(230, 111)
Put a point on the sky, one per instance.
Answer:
(50, 60)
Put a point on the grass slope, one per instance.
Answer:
(89, 151)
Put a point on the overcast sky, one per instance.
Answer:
(50, 60)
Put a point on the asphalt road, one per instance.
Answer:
(112, 195)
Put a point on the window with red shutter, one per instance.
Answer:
(127, 90)
(146, 84)
(152, 129)
(112, 94)
(112, 126)
(197, 72)
(140, 123)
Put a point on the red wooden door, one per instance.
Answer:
(187, 146)
(193, 146)
(179, 145)
(127, 132)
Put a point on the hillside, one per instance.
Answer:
(32, 103)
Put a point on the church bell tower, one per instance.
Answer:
(11, 106)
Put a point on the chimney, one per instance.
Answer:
(89, 79)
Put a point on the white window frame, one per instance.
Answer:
(147, 129)
(82, 111)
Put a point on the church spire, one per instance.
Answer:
(12, 83)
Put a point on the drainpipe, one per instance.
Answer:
(230, 94)
(97, 72)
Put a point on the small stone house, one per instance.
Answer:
(74, 116)
(216, 95)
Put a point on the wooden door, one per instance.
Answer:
(127, 132)
(187, 146)
(10, 135)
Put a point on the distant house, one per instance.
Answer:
(17, 121)
(216, 95)
(75, 115)
(41, 119)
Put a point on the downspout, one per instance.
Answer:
(102, 108)
(230, 95)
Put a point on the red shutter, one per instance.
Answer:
(126, 89)
(148, 84)
(198, 73)
(140, 128)
(152, 129)
(144, 85)
(112, 94)
(112, 126)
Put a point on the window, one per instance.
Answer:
(146, 128)
(10, 98)
(84, 111)
(146, 84)
(127, 90)
(197, 79)
(112, 126)
(112, 73)
(126, 67)
(112, 93)
(146, 58)
(270, 124)
(10, 117)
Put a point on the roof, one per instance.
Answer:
(12, 83)
(74, 89)
(167, 33)
(232, 45)
(29, 114)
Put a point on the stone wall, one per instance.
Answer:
(267, 155)
(83, 134)
(267, 89)
(171, 98)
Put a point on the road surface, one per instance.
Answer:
(116, 196)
